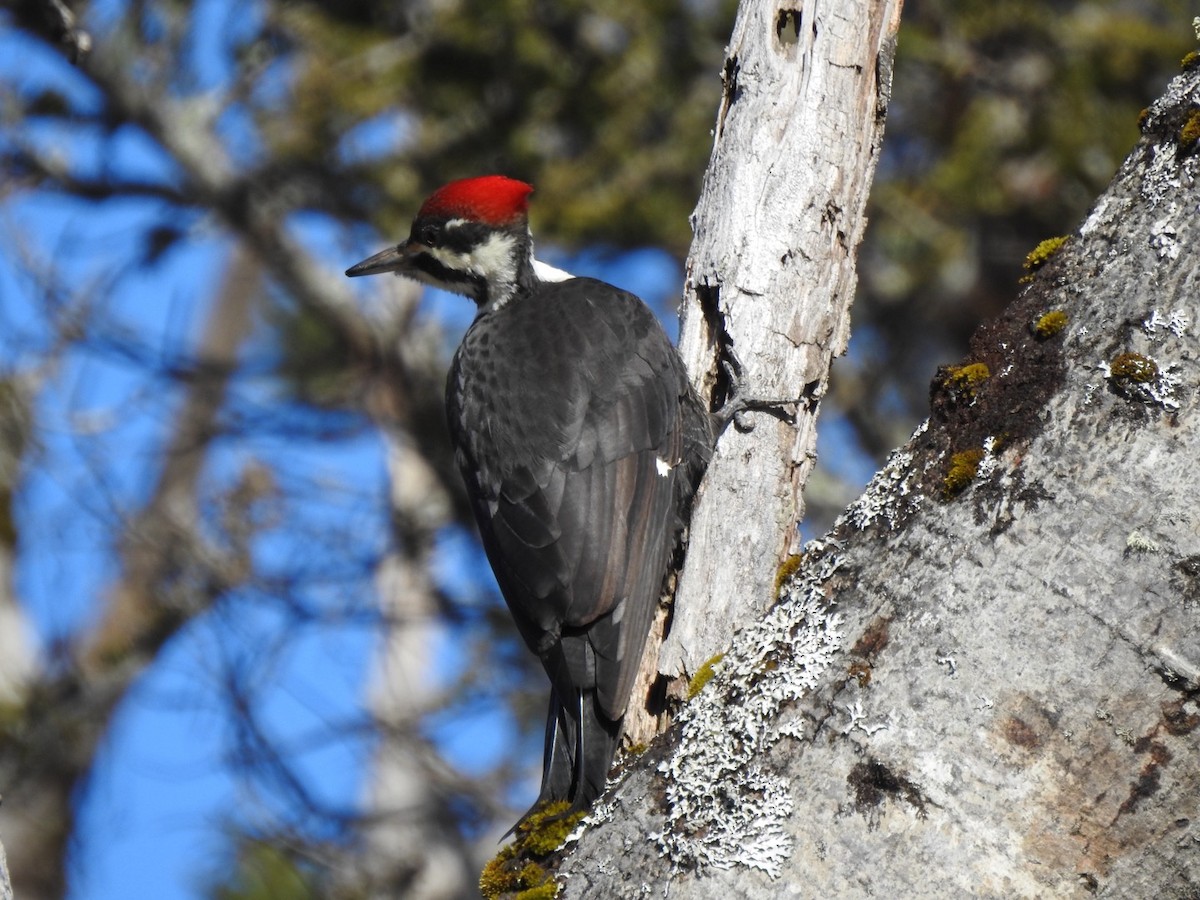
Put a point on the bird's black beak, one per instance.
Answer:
(396, 259)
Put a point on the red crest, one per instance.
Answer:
(491, 199)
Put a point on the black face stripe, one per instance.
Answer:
(465, 237)
(472, 285)
(434, 268)
(461, 237)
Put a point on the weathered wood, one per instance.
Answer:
(770, 280)
(5, 885)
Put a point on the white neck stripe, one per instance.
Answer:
(547, 272)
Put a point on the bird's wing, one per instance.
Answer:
(579, 538)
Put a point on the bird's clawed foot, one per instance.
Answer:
(737, 404)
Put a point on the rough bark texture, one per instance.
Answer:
(5, 885)
(770, 281)
(986, 680)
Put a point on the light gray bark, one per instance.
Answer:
(5, 885)
(994, 693)
(770, 280)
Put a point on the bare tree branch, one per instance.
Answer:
(55, 20)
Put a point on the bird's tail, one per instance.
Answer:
(580, 744)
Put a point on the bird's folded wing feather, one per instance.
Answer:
(580, 543)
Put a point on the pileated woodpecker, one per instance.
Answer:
(581, 442)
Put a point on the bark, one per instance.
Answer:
(985, 681)
(5, 885)
(770, 280)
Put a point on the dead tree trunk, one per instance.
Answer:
(770, 280)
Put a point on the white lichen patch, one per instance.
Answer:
(1162, 178)
(1099, 215)
(989, 463)
(858, 719)
(1164, 238)
(1164, 390)
(724, 809)
(891, 496)
(1137, 542)
(1167, 169)
(1157, 325)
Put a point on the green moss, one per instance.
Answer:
(968, 377)
(544, 831)
(1189, 132)
(1050, 324)
(703, 675)
(532, 874)
(529, 881)
(961, 382)
(495, 879)
(1134, 367)
(515, 869)
(504, 876)
(786, 570)
(543, 891)
(963, 468)
(1190, 60)
(1041, 254)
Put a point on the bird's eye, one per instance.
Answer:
(429, 235)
